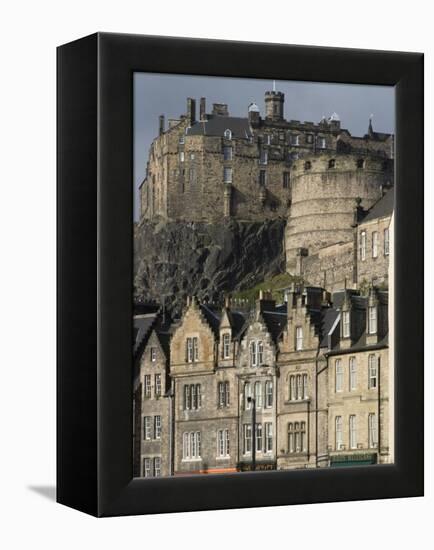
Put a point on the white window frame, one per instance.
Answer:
(195, 348)
(372, 372)
(157, 466)
(223, 443)
(247, 439)
(226, 346)
(295, 140)
(253, 355)
(181, 156)
(268, 394)
(352, 374)
(189, 350)
(352, 426)
(153, 354)
(147, 386)
(372, 320)
(386, 242)
(263, 157)
(191, 446)
(339, 375)
(362, 246)
(372, 431)
(258, 437)
(375, 244)
(304, 386)
(157, 426)
(321, 142)
(338, 433)
(227, 134)
(292, 388)
(346, 324)
(298, 338)
(247, 394)
(299, 387)
(258, 394)
(260, 353)
(147, 467)
(157, 385)
(268, 437)
(147, 421)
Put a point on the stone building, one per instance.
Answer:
(358, 380)
(152, 396)
(218, 165)
(299, 385)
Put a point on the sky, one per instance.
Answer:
(156, 94)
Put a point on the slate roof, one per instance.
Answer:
(328, 320)
(382, 208)
(276, 322)
(212, 316)
(216, 125)
(142, 329)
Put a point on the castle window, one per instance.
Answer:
(281, 136)
(353, 432)
(227, 175)
(309, 138)
(181, 140)
(345, 324)
(372, 372)
(268, 394)
(386, 241)
(263, 157)
(372, 431)
(360, 163)
(191, 156)
(258, 394)
(295, 139)
(321, 142)
(299, 338)
(353, 373)
(292, 389)
(227, 134)
(157, 385)
(338, 433)
(260, 347)
(267, 139)
(362, 245)
(375, 244)
(191, 445)
(268, 437)
(226, 346)
(307, 165)
(339, 375)
(253, 355)
(304, 391)
(262, 178)
(372, 319)
(285, 180)
(147, 432)
(332, 163)
(227, 152)
(299, 387)
(181, 156)
(223, 443)
(153, 354)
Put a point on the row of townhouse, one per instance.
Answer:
(299, 385)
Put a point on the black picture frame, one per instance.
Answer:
(95, 212)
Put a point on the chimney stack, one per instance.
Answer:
(202, 108)
(191, 110)
(161, 124)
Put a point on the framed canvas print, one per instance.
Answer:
(240, 254)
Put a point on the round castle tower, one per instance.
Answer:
(324, 192)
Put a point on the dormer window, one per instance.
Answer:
(227, 134)
(299, 338)
(345, 324)
(226, 346)
(372, 319)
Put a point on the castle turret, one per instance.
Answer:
(274, 105)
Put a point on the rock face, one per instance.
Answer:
(176, 259)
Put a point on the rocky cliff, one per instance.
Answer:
(176, 259)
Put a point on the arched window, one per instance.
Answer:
(227, 134)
